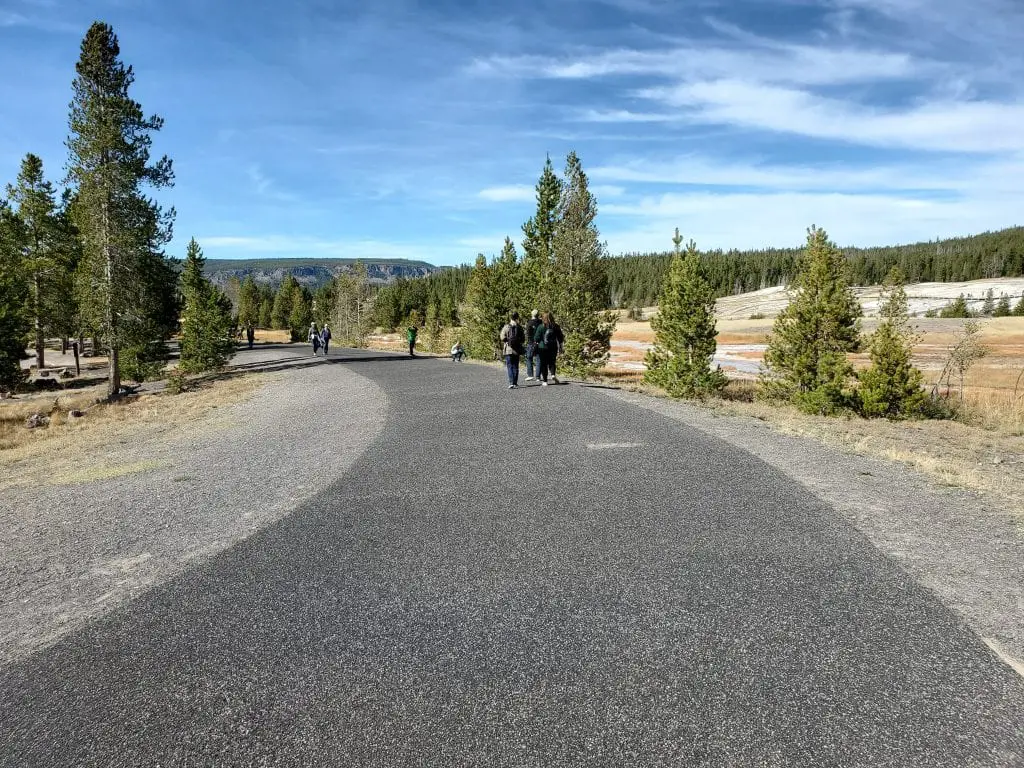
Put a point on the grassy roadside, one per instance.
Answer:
(76, 449)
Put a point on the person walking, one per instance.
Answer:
(512, 339)
(549, 340)
(410, 335)
(532, 360)
(314, 338)
(250, 334)
(325, 338)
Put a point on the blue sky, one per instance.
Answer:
(412, 129)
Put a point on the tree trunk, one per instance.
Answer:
(114, 379)
(40, 340)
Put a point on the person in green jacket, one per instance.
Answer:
(410, 335)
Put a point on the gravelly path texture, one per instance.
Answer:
(72, 552)
(541, 577)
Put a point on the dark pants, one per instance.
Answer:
(547, 363)
(316, 345)
(326, 343)
(531, 354)
(512, 366)
(412, 346)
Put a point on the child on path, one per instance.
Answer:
(314, 338)
(410, 335)
(325, 338)
(531, 346)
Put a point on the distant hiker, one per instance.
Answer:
(549, 340)
(513, 337)
(458, 352)
(325, 338)
(410, 335)
(250, 334)
(531, 346)
(314, 338)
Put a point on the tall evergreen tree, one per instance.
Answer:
(578, 277)
(14, 322)
(1019, 309)
(1002, 307)
(807, 352)
(206, 319)
(283, 303)
(123, 231)
(680, 362)
(249, 303)
(538, 241)
(266, 311)
(891, 387)
(353, 311)
(301, 314)
(485, 311)
(45, 261)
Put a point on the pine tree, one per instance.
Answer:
(989, 305)
(1018, 311)
(579, 281)
(206, 320)
(955, 309)
(44, 262)
(891, 387)
(1002, 307)
(249, 303)
(301, 314)
(485, 312)
(14, 323)
(129, 286)
(684, 327)
(353, 312)
(807, 352)
(538, 242)
(324, 304)
(283, 303)
(266, 312)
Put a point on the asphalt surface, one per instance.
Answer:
(539, 577)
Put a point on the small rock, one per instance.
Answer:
(67, 374)
(997, 460)
(36, 420)
(44, 374)
(76, 414)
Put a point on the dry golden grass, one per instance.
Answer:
(70, 450)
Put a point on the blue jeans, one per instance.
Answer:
(512, 367)
(531, 354)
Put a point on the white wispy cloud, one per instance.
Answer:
(504, 194)
(971, 126)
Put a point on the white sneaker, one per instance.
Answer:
(543, 383)
(529, 378)
(511, 386)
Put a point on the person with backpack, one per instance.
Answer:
(549, 340)
(314, 338)
(513, 337)
(532, 359)
(325, 338)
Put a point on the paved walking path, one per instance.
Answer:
(538, 577)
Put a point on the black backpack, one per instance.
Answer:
(550, 337)
(514, 337)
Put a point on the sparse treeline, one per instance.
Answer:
(636, 279)
(91, 262)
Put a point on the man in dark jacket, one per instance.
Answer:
(325, 338)
(531, 346)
